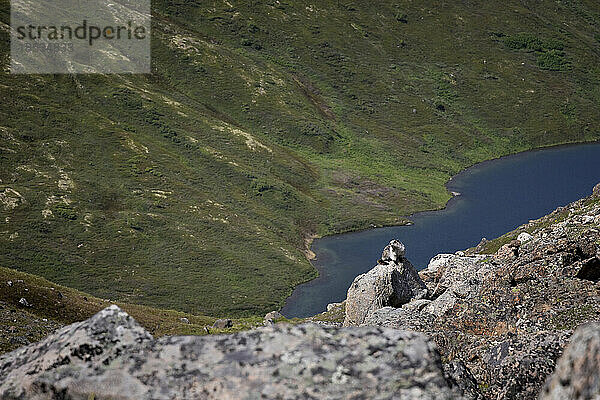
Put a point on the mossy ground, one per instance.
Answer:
(194, 188)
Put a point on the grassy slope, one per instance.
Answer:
(52, 306)
(264, 122)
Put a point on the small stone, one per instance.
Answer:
(588, 219)
(184, 320)
(9, 283)
(24, 302)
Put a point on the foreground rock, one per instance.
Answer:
(577, 374)
(504, 318)
(393, 282)
(111, 356)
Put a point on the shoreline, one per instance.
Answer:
(310, 238)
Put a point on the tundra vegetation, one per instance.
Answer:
(197, 187)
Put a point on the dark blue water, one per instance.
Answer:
(496, 197)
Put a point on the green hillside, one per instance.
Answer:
(197, 188)
(49, 306)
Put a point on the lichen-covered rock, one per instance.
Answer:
(453, 274)
(506, 316)
(577, 375)
(508, 252)
(393, 282)
(110, 356)
(410, 316)
(94, 343)
(371, 291)
(517, 365)
(459, 373)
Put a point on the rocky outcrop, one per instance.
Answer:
(505, 317)
(392, 282)
(452, 278)
(111, 356)
(84, 349)
(577, 375)
(457, 372)
(502, 322)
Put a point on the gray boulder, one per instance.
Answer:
(111, 356)
(393, 282)
(79, 348)
(451, 277)
(459, 373)
(410, 316)
(577, 374)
